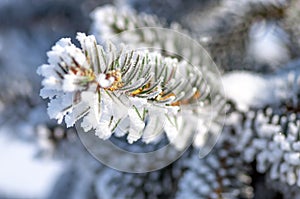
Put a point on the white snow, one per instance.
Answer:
(248, 89)
(104, 82)
(136, 125)
(23, 176)
(268, 44)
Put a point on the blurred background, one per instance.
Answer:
(40, 159)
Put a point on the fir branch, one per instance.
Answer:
(129, 82)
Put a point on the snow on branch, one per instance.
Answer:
(114, 89)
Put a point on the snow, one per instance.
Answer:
(268, 44)
(136, 125)
(104, 82)
(23, 176)
(248, 89)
